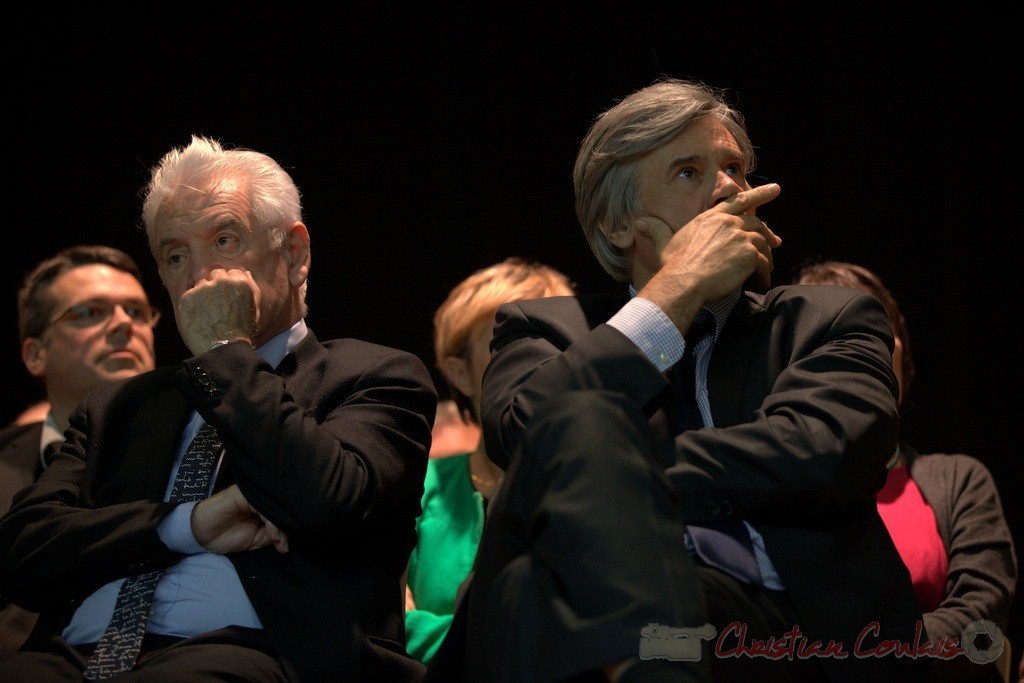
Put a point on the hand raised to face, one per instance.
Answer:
(710, 256)
(224, 306)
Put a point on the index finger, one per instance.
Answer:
(656, 229)
(742, 202)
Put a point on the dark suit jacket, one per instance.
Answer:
(803, 400)
(19, 467)
(19, 459)
(331, 447)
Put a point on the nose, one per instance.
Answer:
(202, 266)
(726, 185)
(120, 322)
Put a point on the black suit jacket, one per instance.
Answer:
(19, 459)
(19, 467)
(331, 447)
(803, 401)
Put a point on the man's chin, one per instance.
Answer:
(122, 368)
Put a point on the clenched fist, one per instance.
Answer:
(226, 305)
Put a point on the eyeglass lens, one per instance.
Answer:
(95, 312)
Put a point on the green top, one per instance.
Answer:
(449, 531)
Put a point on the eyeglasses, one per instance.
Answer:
(93, 313)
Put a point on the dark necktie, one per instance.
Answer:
(724, 544)
(121, 642)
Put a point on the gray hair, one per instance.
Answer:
(606, 173)
(273, 195)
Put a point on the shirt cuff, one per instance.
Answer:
(650, 329)
(175, 530)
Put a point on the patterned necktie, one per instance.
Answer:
(684, 378)
(724, 544)
(121, 642)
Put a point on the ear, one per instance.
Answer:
(621, 235)
(456, 371)
(33, 355)
(296, 254)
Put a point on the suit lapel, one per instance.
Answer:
(153, 437)
(170, 412)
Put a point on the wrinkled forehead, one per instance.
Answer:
(202, 206)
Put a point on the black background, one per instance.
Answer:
(431, 142)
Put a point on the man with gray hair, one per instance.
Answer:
(690, 467)
(248, 513)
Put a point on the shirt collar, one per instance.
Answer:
(279, 346)
(50, 433)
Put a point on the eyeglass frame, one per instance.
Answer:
(153, 316)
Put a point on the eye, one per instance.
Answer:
(174, 259)
(85, 314)
(90, 312)
(734, 169)
(687, 173)
(227, 243)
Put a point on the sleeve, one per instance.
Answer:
(54, 519)
(811, 382)
(349, 461)
(982, 576)
(533, 358)
(175, 530)
(354, 458)
(651, 331)
(424, 632)
(448, 534)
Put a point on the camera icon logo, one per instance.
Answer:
(677, 644)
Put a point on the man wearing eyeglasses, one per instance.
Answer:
(84, 321)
